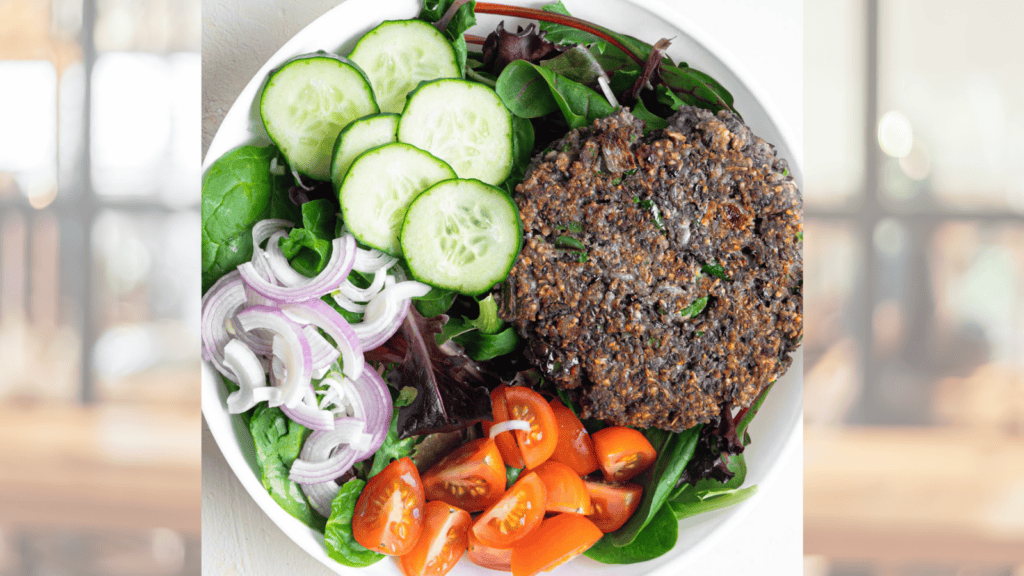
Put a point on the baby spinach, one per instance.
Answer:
(435, 302)
(482, 347)
(656, 539)
(674, 452)
(693, 502)
(530, 91)
(238, 191)
(695, 307)
(309, 248)
(341, 544)
(278, 441)
(394, 447)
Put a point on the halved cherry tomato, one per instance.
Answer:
(506, 442)
(537, 444)
(388, 516)
(560, 539)
(574, 448)
(518, 512)
(490, 557)
(471, 478)
(613, 504)
(440, 546)
(566, 490)
(622, 452)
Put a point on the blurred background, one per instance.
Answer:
(99, 284)
(914, 275)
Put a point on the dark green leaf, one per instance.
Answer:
(522, 150)
(488, 322)
(567, 401)
(674, 452)
(569, 242)
(696, 502)
(341, 544)
(741, 428)
(656, 539)
(278, 441)
(238, 191)
(435, 302)
(577, 64)
(531, 91)
(405, 396)
(511, 475)
(452, 328)
(308, 249)
(651, 121)
(482, 347)
(694, 308)
(696, 88)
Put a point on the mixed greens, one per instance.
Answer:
(442, 356)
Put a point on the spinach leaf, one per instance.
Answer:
(393, 447)
(238, 191)
(435, 302)
(341, 544)
(530, 91)
(657, 538)
(278, 441)
(694, 501)
(674, 451)
(487, 322)
(511, 475)
(695, 307)
(523, 139)
(309, 248)
(750, 412)
(715, 270)
(577, 64)
(482, 347)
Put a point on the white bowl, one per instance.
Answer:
(779, 419)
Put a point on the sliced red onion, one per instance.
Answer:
(376, 400)
(248, 373)
(262, 231)
(509, 425)
(346, 304)
(387, 310)
(290, 347)
(310, 416)
(369, 261)
(324, 354)
(323, 458)
(279, 265)
(350, 291)
(321, 496)
(338, 267)
(330, 321)
(220, 303)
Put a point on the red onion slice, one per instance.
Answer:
(279, 265)
(290, 346)
(328, 319)
(321, 496)
(327, 455)
(247, 372)
(369, 261)
(310, 416)
(338, 267)
(220, 303)
(324, 354)
(350, 291)
(387, 310)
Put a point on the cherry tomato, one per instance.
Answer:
(490, 557)
(388, 516)
(518, 512)
(538, 443)
(575, 448)
(622, 452)
(506, 442)
(471, 478)
(613, 504)
(560, 539)
(566, 490)
(440, 546)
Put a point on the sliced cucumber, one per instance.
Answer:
(462, 235)
(378, 188)
(307, 101)
(463, 123)
(398, 55)
(358, 137)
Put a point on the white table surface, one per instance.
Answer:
(765, 37)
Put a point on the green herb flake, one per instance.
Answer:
(698, 334)
(569, 242)
(566, 146)
(695, 307)
(799, 236)
(575, 227)
(715, 270)
(581, 257)
(617, 181)
(653, 342)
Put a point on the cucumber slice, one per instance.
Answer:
(463, 123)
(306, 102)
(358, 137)
(462, 235)
(378, 188)
(398, 55)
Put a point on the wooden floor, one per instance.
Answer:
(109, 466)
(901, 495)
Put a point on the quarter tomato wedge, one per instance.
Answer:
(560, 539)
(506, 442)
(622, 452)
(471, 478)
(518, 512)
(490, 557)
(538, 443)
(566, 490)
(388, 516)
(440, 546)
(575, 449)
(613, 504)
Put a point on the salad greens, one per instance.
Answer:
(551, 80)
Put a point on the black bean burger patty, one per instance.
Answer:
(626, 236)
